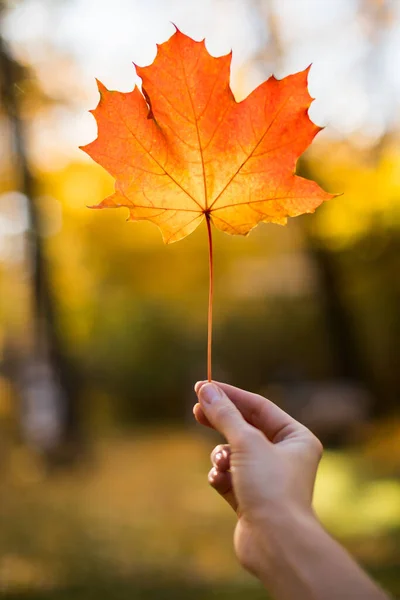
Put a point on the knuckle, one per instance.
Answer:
(226, 412)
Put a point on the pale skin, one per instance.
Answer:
(266, 473)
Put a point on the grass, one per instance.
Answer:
(140, 521)
(130, 590)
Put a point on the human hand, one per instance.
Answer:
(267, 470)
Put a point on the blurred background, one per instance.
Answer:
(103, 489)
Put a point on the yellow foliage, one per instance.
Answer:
(371, 195)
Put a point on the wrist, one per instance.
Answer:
(284, 518)
(299, 559)
(284, 535)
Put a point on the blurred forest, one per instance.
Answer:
(103, 328)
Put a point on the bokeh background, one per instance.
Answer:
(103, 489)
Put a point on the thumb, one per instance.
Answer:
(223, 415)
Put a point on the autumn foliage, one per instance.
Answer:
(184, 148)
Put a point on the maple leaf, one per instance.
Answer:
(184, 150)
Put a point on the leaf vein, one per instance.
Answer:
(252, 152)
(159, 164)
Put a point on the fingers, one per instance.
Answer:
(222, 483)
(219, 476)
(221, 457)
(200, 416)
(223, 415)
(263, 414)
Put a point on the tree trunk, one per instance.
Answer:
(48, 382)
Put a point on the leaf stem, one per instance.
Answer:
(210, 296)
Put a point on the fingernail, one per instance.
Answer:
(209, 393)
(198, 386)
(218, 457)
(212, 474)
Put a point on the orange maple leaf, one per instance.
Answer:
(184, 149)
